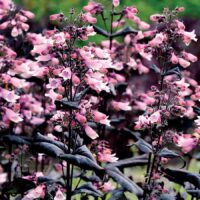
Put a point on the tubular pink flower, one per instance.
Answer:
(90, 132)
(13, 116)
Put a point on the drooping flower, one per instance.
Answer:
(107, 186)
(155, 118)
(121, 105)
(115, 3)
(91, 132)
(186, 141)
(38, 192)
(100, 118)
(13, 116)
(59, 195)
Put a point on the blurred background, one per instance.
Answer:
(43, 8)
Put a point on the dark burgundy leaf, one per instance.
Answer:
(166, 153)
(101, 31)
(196, 110)
(144, 146)
(18, 186)
(41, 138)
(173, 71)
(15, 139)
(125, 182)
(166, 197)
(155, 68)
(117, 121)
(92, 178)
(127, 30)
(182, 176)
(194, 193)
(81, 161)
(117, 194)
(84, 151)
(66, 104)
(88, 189)
(47, 148)
(121, 86)
(134, 135)
(130, 162)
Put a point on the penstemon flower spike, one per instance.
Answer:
(70, 113)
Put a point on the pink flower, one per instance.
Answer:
(115, 3)
(158, 40)
(142, 122)
(90, 132)
(130, 12)
(107, 186)
(188, 37)
(143, 25)
(3, 177)
(54, 83)
(190, 57)
(106, 156)
(132, 63)
(82, 119)
(185, 141)
(156, 17)
(38, 192)
(93, 7)
(180, 25)
(57, 17)
(66, 74)
(155, 118)
(76, 80)
(197, 121)
(121, 105)
(88, 18)
(4, 25)
(37, 121)
(174, 58)
(18, 83)
(100, 118)
(9, 96)
(59, 195)
(184, 63)
(12, 116)
(142, 69)
(180, 9)
(28, 14)
(53, 95)
(15, 31)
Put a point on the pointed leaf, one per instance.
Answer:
(155, 68)
(81, 161)
(134, 135)
(127, 30)
(84, 151)
(182, 176)
(117, 194)
(41, 138)
(15, 139)
(88, 189)
(130, 162)
(143, 146)
(167, 197)
(65, 104)
(47, 148)
(166, 153)
(125, 182)
(18, 186)
(101, 31)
